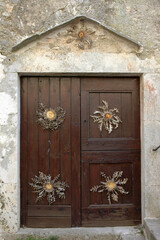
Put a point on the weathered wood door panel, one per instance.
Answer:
(108, 153)
(50, 152)
(120, 93)
(96, 210)
(60, 151)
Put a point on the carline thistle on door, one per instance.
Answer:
(50, 118)
(44, 186)
(106, 117)
(112, 185)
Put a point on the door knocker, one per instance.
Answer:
(50, 118)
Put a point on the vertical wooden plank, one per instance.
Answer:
(43, 134)
(75, 151)
(127, 115)
(32, 134)
(84, 119)
(95, 197)
(136, 108)
(137, 180)
(85, 184)
(65, 131)
(23, 152)
(93, 106)
(55, 135)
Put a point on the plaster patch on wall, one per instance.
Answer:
(8, 107)
(3, 139)
(8, 207)
(152, 192)
(9, 168)
(8, 147)
(47, 61)
(151, 157)
(151, 97)
(150, 65)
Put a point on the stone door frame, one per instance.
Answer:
(82, 75)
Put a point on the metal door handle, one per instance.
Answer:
(155, 149)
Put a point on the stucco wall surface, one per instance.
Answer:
(59, 51)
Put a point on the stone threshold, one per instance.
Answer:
(99, 233)
(152, 228)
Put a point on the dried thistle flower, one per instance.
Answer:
(106, 117)
(44, 186)
(50, 118)
(112, 185)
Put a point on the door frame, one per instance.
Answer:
(78, 75)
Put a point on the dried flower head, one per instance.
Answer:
(106, 117)
(112, 185)
(50, 118)
(44, 186)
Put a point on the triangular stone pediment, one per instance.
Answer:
(78, 35)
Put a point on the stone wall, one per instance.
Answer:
(20, 20)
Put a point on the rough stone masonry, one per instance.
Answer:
(129, 19)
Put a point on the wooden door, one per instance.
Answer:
(63, 152)
(50, 152)
(118, 151)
